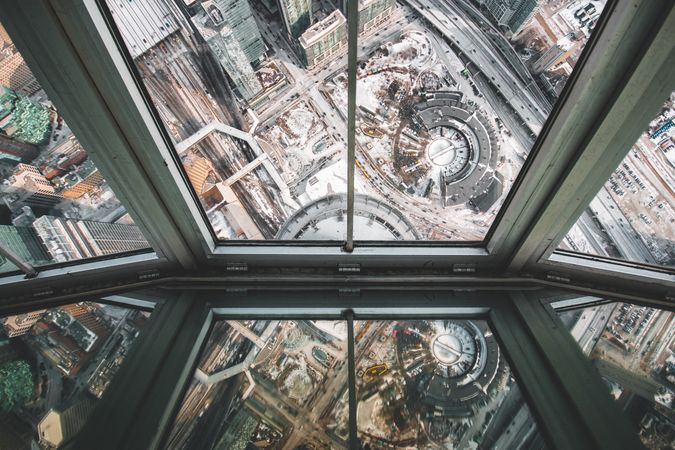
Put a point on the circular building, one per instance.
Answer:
(449, 367)
(326, 219)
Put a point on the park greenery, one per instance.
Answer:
(16, 385)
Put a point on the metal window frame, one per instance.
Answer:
(564, 393)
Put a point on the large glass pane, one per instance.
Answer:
(441, 384)
(451, 96)
(267, 384)
(55, 205)
(633, 348)
(54, 366)
(244, 90)
(633, 216)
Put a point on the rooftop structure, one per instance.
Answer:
(325, 39)
(373, 13)
(296, 15)
(557, 54)
(512, 13)
(68, 239)
(237, 15)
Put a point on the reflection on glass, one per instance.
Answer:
(54, 366)
(55, 205)
(633, 348)
(451, 96)
(267, 384)
(633, 216)
(244, 89)
(437, 384)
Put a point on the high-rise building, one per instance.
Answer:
(296, 16)
(513, 14)
(24, 243)
(69, 239)
(15, 74)
(81, 181)
(324, 40)
(558, 53)
(21, 323)
(373, 13)
(226, 47)
(28, 187)
(60, 425)
(239, 18)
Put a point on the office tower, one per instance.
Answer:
(21, 323)
(237, 15)
(226, 47)
(69, 239)
(28, 187)
(15, 74)
(24, 243)
(296, 16)
(324, 40)
(60, 425)
(558, 53)
(373, 13)
(512, 13)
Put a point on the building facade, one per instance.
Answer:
(227, 49)
(555, 55)
(69, 239)
(514, 14)
(237, 15)
(373, 13)
(21, 324)
(28, 187)
(296, 16)
(324, 40)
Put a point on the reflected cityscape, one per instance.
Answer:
(54, 365)
(437, 385)
(267, 384)
(633, 348)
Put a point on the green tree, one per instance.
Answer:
(16, 385)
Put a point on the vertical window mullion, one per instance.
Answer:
(352, 48)
(351, 365)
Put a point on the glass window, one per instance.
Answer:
(55, 205)
(633, 216)
(267, 384)
(244, 91)
(451, 97)
(633, 349)
(437, 384)
(54, 366)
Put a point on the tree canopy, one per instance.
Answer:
(16, 385)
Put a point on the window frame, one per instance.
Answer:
(94, 74)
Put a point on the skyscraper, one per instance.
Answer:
(239, 18)
(296, 15)
(227, 49)
(69, 239)
(24, 243)
(373, 13)
(324, 40)
(28, 187)
(512, 13)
